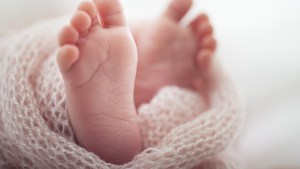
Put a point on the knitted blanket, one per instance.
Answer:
(35, 130)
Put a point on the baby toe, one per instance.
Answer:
(89, 8)
(66, 57)
(204, 59)
(208, 42)
(198, 20)
(204, 29)
(81, 21)
(68, 35)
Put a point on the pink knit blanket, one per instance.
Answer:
(35, 131)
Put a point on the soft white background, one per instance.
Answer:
(259, 45)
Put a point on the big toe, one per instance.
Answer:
(178, 9)
(111, 13)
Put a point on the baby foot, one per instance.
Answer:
(168, 52)
(98, 60)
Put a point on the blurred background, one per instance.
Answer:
(259, 46)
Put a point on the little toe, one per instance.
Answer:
(81, 21)
(66, 57)
(178, 9)
(89, 8)
(204, 59)
(68, 35)
(208, 42)
(111, 13)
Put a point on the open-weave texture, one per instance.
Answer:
(35, 131)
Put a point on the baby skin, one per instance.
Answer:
(105, 82)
